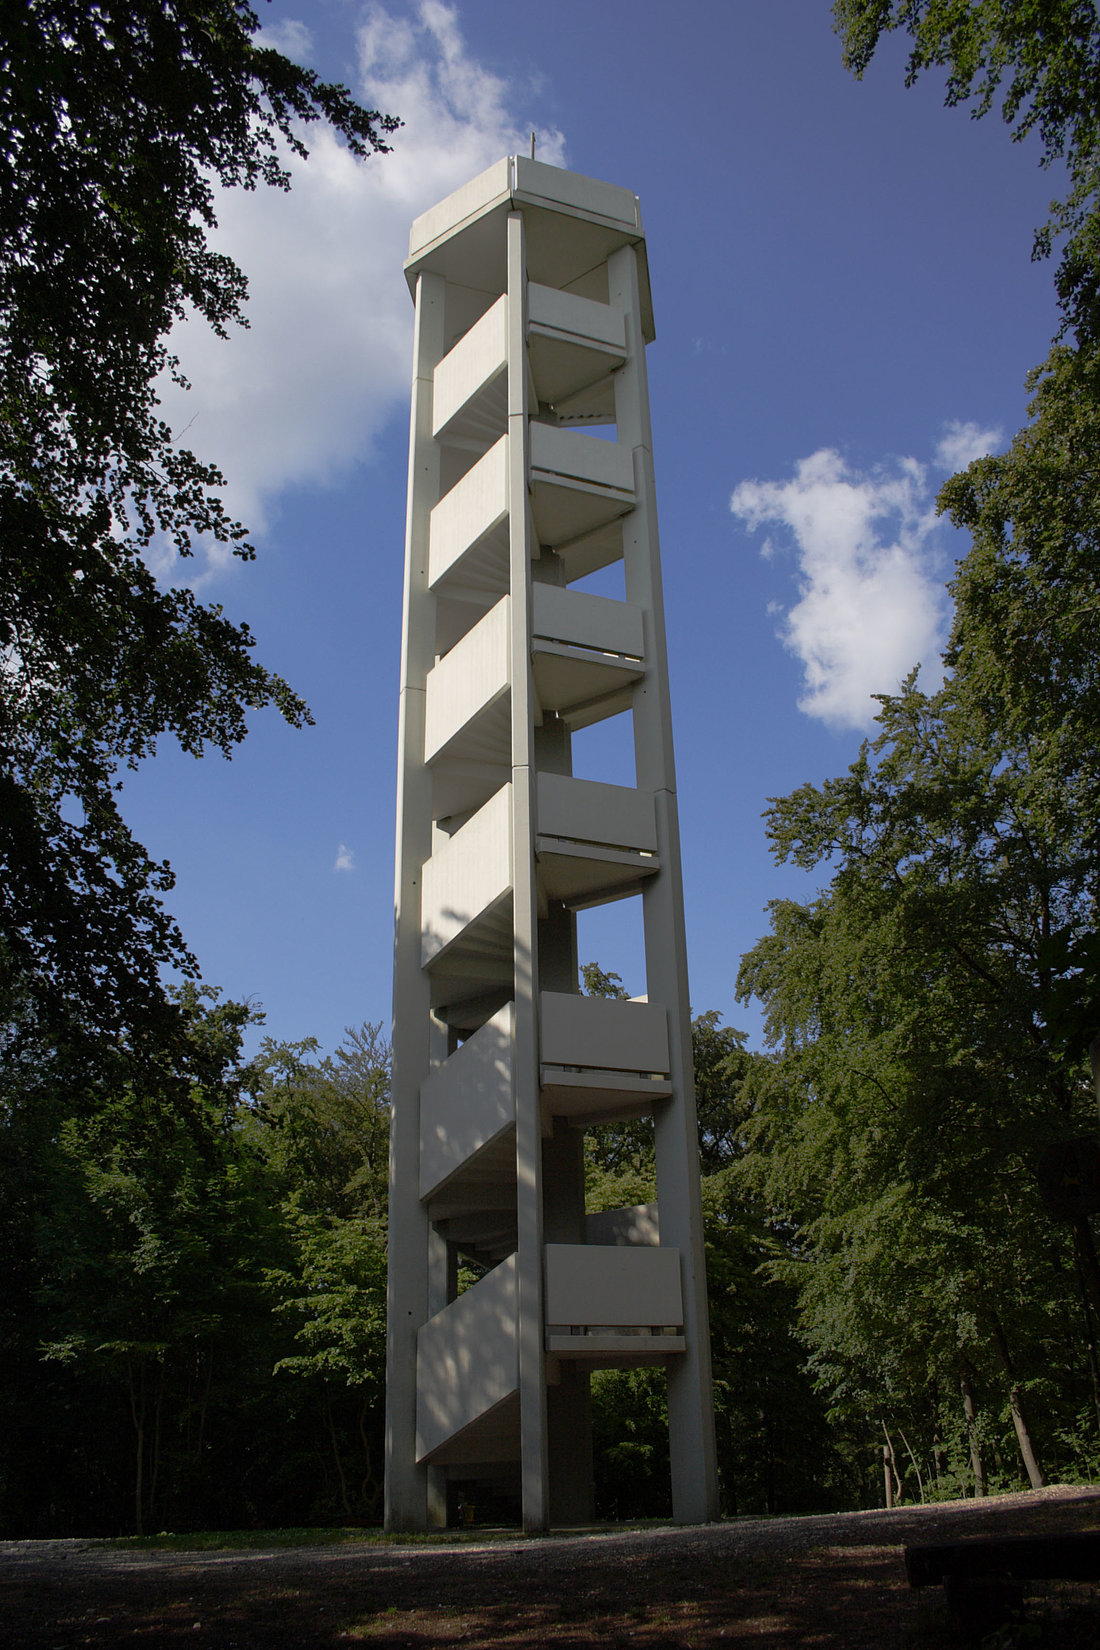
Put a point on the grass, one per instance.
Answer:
(216, 1541)
(210, 1541)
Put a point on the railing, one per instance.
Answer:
(476, 360)
(467, 876)
(617, 1300)
(475, 507)
(467, 1103)
(472, 677)
(466, 1364)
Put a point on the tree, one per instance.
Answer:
(1042, 57)
(141, 1228)
(916, 1078)
(1027, 603)
(194, 1305)
(335, 1295)
(117, 121)
(1028, 594)
(323, 1129)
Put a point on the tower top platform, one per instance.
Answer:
(573, 224)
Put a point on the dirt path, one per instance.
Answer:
(834, 1582)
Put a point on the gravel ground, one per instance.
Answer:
(827, 1581)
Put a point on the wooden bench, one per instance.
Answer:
(982, 1577)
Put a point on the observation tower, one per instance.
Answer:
(533, 611)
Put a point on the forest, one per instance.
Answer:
(195, 1303)
(900, 1189)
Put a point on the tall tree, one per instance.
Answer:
(140, 1228)
(1041, 59)
(116, 122)
(917, 1076)
(323, 1129)
(1023, 643)
(193, 1314)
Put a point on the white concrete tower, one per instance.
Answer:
(532, 316)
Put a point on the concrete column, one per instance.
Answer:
(690, 1391)
(569, 1395)
(407, 1283)
(534, 1468)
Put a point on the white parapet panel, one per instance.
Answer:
(578, 619)
(579, 317)
(476, 360)
(468, 202)
(583, 458)
(638, 1225)
(579, 483)
(586, 654)
(618, 1287)
(594, 842)
(585, 810)
(466, 516)
(574, 345)
(466, 1361)
(468, 1102)
(573, 224)
(604, 1033)
(468, 680)
(535, 180)
(467, 876)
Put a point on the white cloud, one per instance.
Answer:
(962, 443)
(290, 37)
(301, 395)
(345, 858)
(871, 599)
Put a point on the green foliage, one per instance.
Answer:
(337, 1294)
(194, 1318)
(117, 121)
(1041, 58)
(774, 1449)
(1028, 611)
(1022, 644)
(630, 1438)
(918, 1073)
(596, 983)
(325, 1131)
(325, 1126)
(928, 1014)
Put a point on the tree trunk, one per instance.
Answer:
(977, 1465)
(1088, 1267)
(939, 1453)
(205, 1401)
(1083, 1246)
(1019, 1421)
(137, 1414)
(336, 1458)
(916, 1468)
(891, 1477)
(154, 1470)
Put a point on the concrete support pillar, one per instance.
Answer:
(690, 1401)
(408, 1264)
(534, 1472)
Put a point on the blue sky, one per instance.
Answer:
(845, 311)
